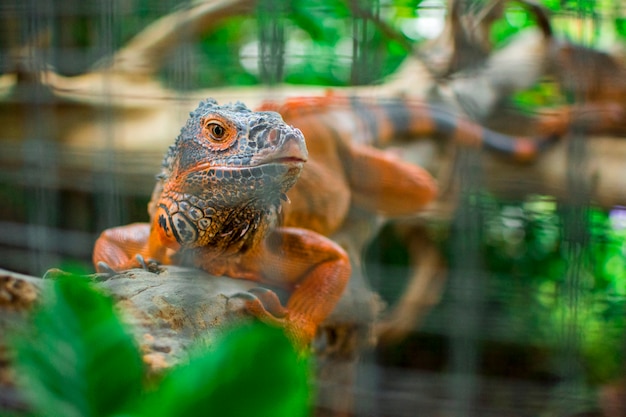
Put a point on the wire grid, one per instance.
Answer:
(49, 215)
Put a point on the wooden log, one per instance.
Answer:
(180, 307)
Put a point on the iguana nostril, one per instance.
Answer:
(273, 137)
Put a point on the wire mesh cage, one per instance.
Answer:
(508, 292)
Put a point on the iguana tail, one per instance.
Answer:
(390, 121)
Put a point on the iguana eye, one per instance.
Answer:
(216, 130)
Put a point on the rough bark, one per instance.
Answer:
(179, 307)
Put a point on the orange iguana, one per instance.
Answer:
(217, 202)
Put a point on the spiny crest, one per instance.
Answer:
(168, 160)
(210, 104)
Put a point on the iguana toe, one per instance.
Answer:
(149, 265)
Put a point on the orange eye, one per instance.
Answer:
(219, 133)
(216, 130)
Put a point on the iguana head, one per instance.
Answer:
(225, 175)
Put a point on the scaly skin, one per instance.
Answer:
(217, 207)
(208, 212)
(218, 200)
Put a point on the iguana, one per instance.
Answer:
(208, 210)
(219, 199)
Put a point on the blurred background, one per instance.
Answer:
(529, 317)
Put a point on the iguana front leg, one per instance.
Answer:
(121, 248)
(385, 184)
(313, 268)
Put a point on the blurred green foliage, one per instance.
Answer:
(78, 359)
(592, 23)
(527, 252)
(543, 290)
(324, 42)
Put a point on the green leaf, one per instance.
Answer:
(253, 371)
(78, 360)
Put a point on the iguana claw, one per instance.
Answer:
(105, 269)
(270, 301)
(149, 265)
(264, 305)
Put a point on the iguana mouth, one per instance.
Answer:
(283, 160)
(291, 162)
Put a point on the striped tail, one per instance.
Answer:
(384, 122)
